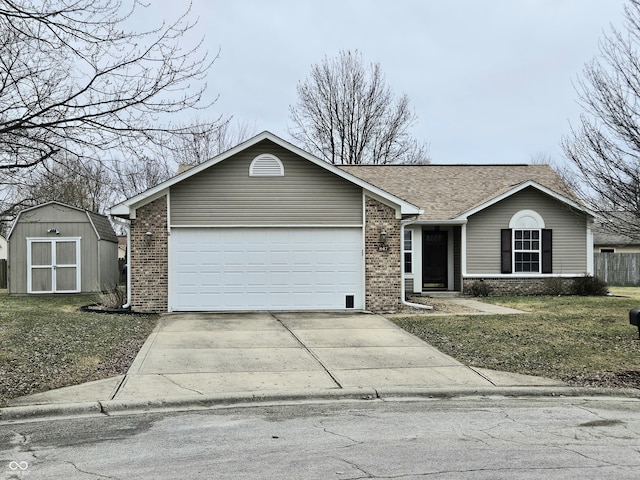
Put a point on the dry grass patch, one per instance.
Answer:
(46, 343)
(581, 340)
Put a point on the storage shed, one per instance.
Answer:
(57, 248)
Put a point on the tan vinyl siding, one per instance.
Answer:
(52, 214)
(224, 194)
(109, 267)
(569, 233)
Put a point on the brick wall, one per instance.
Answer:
(519, 286)
(148, 259)
(382, 262)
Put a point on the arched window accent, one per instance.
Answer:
(266, 165)
(526, 246)
(526, 219)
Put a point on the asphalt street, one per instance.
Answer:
(462, 438)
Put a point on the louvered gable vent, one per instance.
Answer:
(266, 165)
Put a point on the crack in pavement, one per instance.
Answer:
(98, 475)
(163, 375)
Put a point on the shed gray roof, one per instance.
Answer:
(103, 227)
(447, 191)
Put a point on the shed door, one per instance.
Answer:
(266, 269)
(53, 265)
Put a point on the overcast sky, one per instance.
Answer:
(490, 81)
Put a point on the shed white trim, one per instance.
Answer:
(50, 268)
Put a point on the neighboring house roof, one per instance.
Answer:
(127, 208)
(615, 228)
(448, 192)
(604, 238)
(604, 234)
(101, 224)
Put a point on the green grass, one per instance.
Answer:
(582, 340)
(46, 343)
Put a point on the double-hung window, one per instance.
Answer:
(526, 251)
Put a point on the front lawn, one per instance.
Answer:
(582, 340)
(46, 343)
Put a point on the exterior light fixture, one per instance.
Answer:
(148, 233)
(383, 236)
(53, 230)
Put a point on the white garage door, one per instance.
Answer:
(266, 269)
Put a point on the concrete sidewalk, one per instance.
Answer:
(202, 355)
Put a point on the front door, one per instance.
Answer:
(53, 265)
(434, 259)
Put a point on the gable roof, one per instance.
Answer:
(100, 224)
(128, 207)
(449, 192)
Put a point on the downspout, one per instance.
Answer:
(127, 225)
(403, 224)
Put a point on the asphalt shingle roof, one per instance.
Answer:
(103, 227)
(446, 191)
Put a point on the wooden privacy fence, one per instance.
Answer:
(621, 269)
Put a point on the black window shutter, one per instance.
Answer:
(547, 248)
(505, 250)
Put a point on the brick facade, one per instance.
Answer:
(382, 261)
(517, 286)
(148, 259)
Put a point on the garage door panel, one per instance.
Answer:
(276, 268)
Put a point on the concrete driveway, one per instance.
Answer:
(246, 355)
(208, 354)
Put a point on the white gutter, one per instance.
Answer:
(402, 279)
(127, 225)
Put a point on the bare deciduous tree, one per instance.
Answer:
(346, 114)
(201, 143)
(75, 82)
(72, 181)
(605, 146)
(139, 172)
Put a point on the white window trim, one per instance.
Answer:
(53, 266)
(410, 251)
(514, 251)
